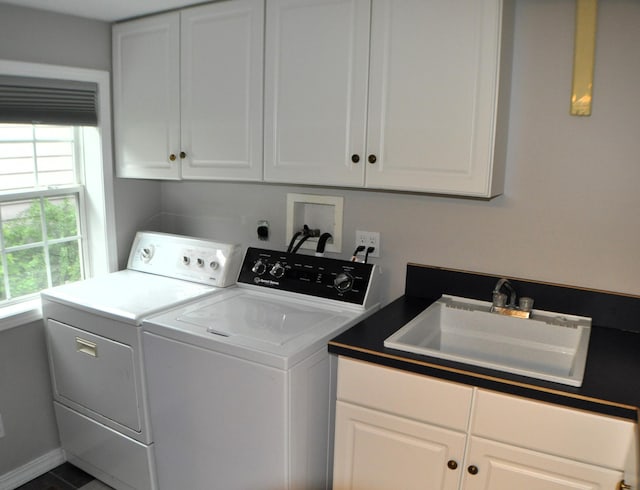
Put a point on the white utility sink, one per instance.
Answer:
(548, 346)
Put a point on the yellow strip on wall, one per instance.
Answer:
(584, 57)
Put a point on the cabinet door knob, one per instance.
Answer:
(172, 157)
(452, 465)
(372, 158)
(183, 155)
(623, 486)
(355, 158)
(473, 470)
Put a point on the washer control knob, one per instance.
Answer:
(259, 267)
(186, 260)
(200, 262)
(277, 270)
(213, 265)
(343, 282)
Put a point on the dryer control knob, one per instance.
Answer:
(214, 265)
(277, 270)
(200, 262)
(259, 267)
(343, 282)
(147, 253)
(186, 260)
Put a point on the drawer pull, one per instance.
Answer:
(86, 347)
(452, 464)
(623, 486)
(473, 470)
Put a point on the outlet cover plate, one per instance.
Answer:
(368, 239)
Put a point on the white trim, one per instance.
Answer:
(61, 190)
(32, 469)
(97, 177)
(99, 182)
(18, 314)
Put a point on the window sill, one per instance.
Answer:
(20, 314)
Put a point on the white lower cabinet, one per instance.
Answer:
(396, 429)
(495, 466)
(380, 451)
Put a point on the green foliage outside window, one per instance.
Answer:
(26, 267)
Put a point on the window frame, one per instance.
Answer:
(96, 175)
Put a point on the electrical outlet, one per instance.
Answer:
(368, 239)
(1, 427)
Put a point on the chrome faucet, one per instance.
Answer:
(500, 305)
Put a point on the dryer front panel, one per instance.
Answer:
(95, 373)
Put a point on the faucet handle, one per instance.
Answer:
(525, 303)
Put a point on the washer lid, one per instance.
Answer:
(273, 329)
(266, 319)
(127, 295)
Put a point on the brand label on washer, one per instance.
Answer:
(266, 282)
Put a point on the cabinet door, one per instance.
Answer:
(379, 451)
(504, 467)
(146, 84)
(316, 66)
(221, 93)
(432, 100)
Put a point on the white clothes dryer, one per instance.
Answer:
(94, 343)
(240, 383)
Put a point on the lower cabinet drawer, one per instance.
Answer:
(582, 436)
(404, 394)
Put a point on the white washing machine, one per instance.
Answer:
(94, 341)
(240, 383)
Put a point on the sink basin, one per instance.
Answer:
(547, 346)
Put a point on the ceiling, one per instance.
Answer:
(105, 10)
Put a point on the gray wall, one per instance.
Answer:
(570, 212)
(43, 37)
(25, 397)
(25, 392)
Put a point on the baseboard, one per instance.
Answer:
(32, 469)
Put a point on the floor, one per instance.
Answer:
(65, 477)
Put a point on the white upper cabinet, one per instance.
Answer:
(407, 95)
(316, 65)
(146, 87)
(433, 96)
(222, 65)
(188, 98)
(388, 94)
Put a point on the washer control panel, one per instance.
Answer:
(342, 280)
(181, 257)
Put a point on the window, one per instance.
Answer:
(56, 185)
(41, 234)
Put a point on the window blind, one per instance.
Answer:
(26, 100)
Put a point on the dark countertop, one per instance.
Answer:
(611, 383)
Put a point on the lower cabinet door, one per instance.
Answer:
(379, 451)
(495, 466)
